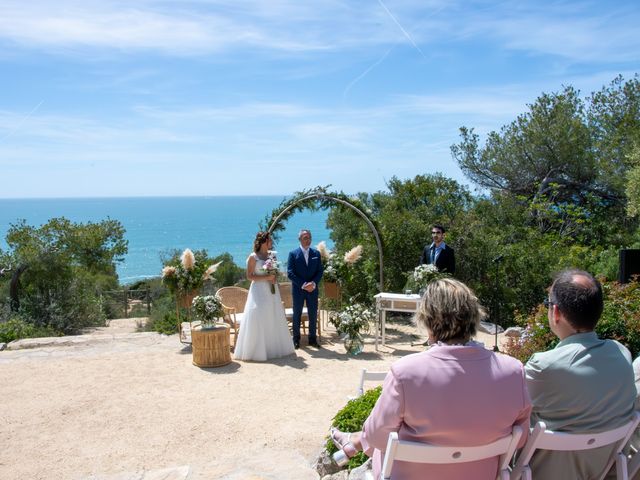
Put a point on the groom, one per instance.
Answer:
(304, 269)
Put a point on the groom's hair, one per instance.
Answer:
(302, 232)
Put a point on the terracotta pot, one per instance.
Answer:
(331, 290)
(185, 299)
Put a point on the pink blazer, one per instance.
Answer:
(448, 395)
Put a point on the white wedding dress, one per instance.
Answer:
(264, 333)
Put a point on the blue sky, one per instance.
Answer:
(230, 97)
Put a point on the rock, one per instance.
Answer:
(514, 332)
(360, 473)
(325, 466)
(2, 346)
(490, 328)
(341, 475)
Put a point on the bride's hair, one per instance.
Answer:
(261, 237)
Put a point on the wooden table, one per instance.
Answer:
(212, 346)
(396, 302)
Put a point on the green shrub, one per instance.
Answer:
(351, 419)
(620, 321)
(621, 316)
(167, 324)
(17, 328)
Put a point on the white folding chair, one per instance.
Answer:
(417, 452)
(634, 464)
(367, 376)
(544, 439)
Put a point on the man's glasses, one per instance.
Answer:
(436, 233)
(547, 302)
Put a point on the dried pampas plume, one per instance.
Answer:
(324, 251)
(353, 255)
(187, 259)
(210, 271)
(168, 272)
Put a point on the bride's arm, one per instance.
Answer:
(251, 275)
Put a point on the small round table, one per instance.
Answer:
(211, 346)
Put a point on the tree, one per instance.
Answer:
(404, 216)
(566, 158)
(60, 269)
(633, 183)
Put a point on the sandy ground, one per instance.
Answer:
(114, 405)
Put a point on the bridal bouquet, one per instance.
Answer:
(271, 267)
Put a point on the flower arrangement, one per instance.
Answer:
(271, 266)
(353, 320)
(335, 266)
(207, 309)
(185, 274)
(422, 275)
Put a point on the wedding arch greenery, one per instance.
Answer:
(321, 198)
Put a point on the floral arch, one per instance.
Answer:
(318, 198)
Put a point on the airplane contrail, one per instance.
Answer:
(26, 117)
(406, 34)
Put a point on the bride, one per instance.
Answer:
(263, 332)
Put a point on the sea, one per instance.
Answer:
(156, 225)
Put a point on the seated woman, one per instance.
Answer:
(457, 393)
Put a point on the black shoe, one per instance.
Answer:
(296, 345)
(314, 344)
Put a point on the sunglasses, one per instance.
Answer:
(436, 233)
(547, 302)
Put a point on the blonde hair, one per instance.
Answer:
(449, 310)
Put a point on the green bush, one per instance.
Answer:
(620, 321)
(351, 419)
(17, 328)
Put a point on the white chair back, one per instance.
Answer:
(367, 376)
(417, 452)
(544, 439)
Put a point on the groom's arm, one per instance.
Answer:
(295, 280)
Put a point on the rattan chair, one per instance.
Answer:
(233, 301)
(287, 303)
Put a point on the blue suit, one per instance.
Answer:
(299, 273)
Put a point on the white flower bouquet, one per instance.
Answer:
(207, 308)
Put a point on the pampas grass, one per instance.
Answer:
(188, 259)
(353, 255)
(324, 251)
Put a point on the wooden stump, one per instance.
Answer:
(211, 347)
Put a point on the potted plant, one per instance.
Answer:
(208, 309)
(336, 268)
(184, 276)
(352, 322)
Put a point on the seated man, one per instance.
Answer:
(584, 384)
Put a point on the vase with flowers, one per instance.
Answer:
(351, 323)
(422, 276)
(208, 309)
